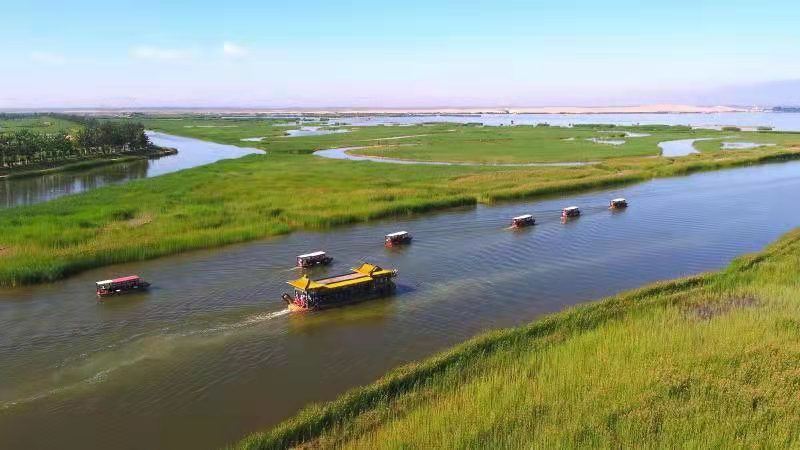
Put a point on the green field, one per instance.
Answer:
(526, 144)
(441, 142)
(40, 124)
(703, 362)
(462, 143)
(288, 189)
(768, 138)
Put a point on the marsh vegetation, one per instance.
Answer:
(288, 189)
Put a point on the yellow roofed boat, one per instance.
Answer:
(362, 283)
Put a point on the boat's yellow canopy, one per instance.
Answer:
(304, 283)
(362, 274)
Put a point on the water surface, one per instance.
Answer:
(606, 141)
(314, 131)
(345, 153)
(744, 145)
(680, 147)
(210, 354)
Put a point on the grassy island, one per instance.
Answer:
(707, 361)
(290, 189)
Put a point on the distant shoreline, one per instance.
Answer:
(635, 109)
(643, 109)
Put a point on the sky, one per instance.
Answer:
(406, 53)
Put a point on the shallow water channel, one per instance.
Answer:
(209, 354)
(345, 153)
(41, 188)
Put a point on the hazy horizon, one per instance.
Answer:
(411, 55)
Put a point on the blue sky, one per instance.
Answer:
(401, 53)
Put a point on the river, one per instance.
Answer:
(40, 188)
(209, 354)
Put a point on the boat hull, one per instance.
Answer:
(517, 225)
(386, 291)
(398, 242)
(112, 293)
(322, 262)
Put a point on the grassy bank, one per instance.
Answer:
(73, 164)
(266, 195)
(707, 361)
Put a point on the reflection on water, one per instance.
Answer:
(28, 190)
(314, 131)
(743, 145)
(210, 353)
(191, 153)
(680, 147)
(606, 141)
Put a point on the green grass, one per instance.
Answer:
(707, 361)
(461, 143)
(442, 142)
(41, 124)
(524, 144)
(762, 137)
(265, 195)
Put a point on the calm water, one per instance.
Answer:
(344, 153)
(209, 354)
(744, 145)
(314, 131)
(680, 147)
(191, 153)
(780, 121)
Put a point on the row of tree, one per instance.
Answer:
(16, 116)
(91, 138)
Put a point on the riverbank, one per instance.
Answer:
(257, 196)
(661, 364)
(81, 164)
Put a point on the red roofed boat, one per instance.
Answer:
(118, 286)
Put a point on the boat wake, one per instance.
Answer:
(92, 368)
(246, 322)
